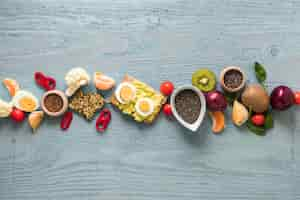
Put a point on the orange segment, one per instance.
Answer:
(103, 82)
(12, 86)
(218, 121)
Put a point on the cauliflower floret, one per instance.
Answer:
(76, 78)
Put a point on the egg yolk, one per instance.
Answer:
(144, 106)
(27, 104)
(126, 93)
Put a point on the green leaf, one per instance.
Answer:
(269, 123)
(231, 97)
(260, 72)
(258, 130)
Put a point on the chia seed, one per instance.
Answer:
(233, 79)
(188, 105)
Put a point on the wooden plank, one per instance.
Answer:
(153, 41)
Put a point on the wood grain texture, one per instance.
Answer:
(152, 40)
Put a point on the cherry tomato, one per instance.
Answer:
(167, 88)
(167, 110)
(297, 98)
(258, 119)
(17, 115)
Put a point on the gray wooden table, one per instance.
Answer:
(154, 41)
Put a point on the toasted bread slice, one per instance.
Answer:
(143, 89)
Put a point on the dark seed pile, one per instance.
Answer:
(188, 105)
(53, 102)
(233, 79)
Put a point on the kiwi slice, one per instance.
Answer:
(204, 80)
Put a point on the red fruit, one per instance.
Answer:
(167, 88)
(216, 101)
(297, 98)
(17, 115)
(167, 110)
(282, 98)
(258, 119)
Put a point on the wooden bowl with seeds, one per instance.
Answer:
(232, 79)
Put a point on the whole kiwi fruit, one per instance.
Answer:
(255, 97)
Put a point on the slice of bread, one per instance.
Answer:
(142, 88)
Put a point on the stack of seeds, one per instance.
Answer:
(86, 104)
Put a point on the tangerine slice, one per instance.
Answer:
(103, 82)
(12, 86)
(218, 121)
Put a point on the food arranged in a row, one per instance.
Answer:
(252, 105)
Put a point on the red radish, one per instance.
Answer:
(17, 115)
(258, 119)
(297, 98)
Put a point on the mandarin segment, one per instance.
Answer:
(12, 86)
(103, 82)
(218, 121)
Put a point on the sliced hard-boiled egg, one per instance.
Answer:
(125, 93)
(25, 101)
(5, 108)
(144, 107)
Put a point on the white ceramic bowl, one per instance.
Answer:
(194, 126)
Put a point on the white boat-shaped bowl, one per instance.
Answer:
(194, 126)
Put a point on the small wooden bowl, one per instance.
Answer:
(225, 87)
(64, 99)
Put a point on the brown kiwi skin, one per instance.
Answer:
(256, 98)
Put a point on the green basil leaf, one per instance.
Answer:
(231, 97)
(269, 122)
(260, 72)
(261, 131)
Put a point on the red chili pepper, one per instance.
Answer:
(48, 83)
(103, 120)
(39, 78)
(66, 120)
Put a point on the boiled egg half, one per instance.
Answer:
(25, 101)
(125, 93)
(144, 107)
